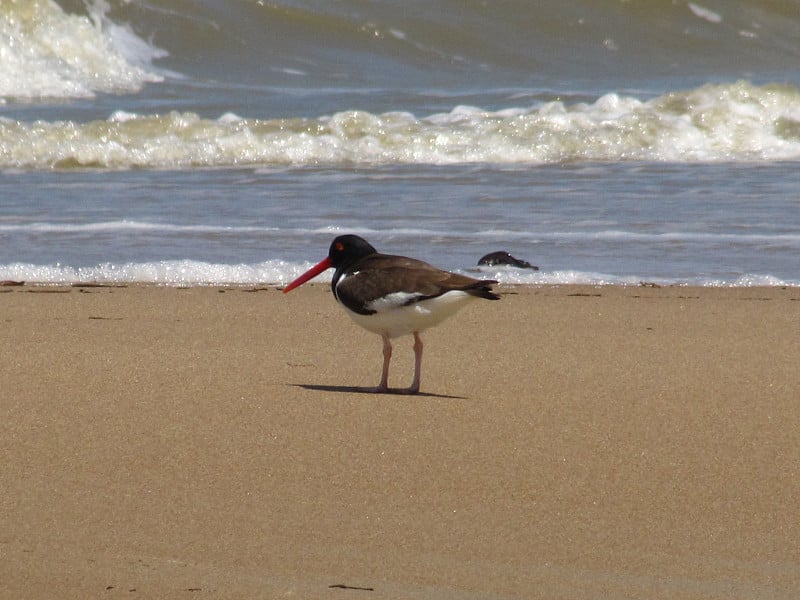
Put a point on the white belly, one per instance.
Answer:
(395, 321)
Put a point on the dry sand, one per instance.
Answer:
(570, 442)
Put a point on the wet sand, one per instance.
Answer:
(569, 442)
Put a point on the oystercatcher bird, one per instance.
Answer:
(393, 295)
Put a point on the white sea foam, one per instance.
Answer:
(47, 53)
(279, 273)
(704, 13)
(783, 240)
(124, 226)
(736, 122)
(167, 272)
(511, 275)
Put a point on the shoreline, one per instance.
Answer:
(14, 285)
(571, 440)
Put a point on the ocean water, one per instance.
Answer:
(209, 141)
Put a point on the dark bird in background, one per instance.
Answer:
(501, 257)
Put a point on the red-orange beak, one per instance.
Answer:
(318, 268)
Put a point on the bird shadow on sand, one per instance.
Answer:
(350, 389)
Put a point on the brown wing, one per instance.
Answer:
(379, 275)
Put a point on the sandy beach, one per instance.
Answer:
(570, 442)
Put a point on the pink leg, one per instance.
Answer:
(417, 364)
(383, 386)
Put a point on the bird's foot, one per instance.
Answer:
(409, 391)
(383, 389)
